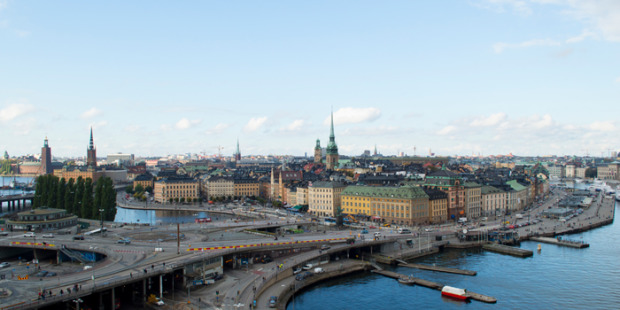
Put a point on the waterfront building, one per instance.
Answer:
(218, 186)
(405, 205)
(331, 158)
(324, 197)
(473, 200)
(245, 187)
(518, 196)
(177, 189)
(438, 205)
(42, 219)
(610, 171)
(46, 158)
(450, 183)
(493, 201)
(73, 172)
(145, 180)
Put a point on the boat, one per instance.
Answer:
(618, 196)
(406, 280)
(453, 292)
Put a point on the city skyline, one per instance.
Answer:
(476, 77)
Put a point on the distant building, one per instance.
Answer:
(450, 183)
(91, 152)
(318, 152)
(46, 158)
(145, 180)
(186, 189)
(120, 159)
(324, 198)
(493, 201)
(238, 152)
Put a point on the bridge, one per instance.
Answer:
(16, 202)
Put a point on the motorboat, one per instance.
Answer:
(454, 292)
(406, 280)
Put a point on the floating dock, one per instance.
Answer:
(440, 269)
(505, 249)
(568, 243)
(434, 285)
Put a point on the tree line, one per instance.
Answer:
(80, 197)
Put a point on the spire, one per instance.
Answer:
(45, 142)
(332, 138)
(332, 148)
(238, 152)
(91, 145)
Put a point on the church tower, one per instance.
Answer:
(318, 153)
(91, 152)
(331, 159)
(237, 153)
(46, 158)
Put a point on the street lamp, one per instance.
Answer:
(93, 267)
(77, 303)
(101, 212)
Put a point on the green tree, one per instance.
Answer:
(98, 200)
(69, 196)
(170, 200)
(129, 189)
(38, 192)
(79, 195)
(138, 189)
(149, 189)
(88, 207)
(60, 194)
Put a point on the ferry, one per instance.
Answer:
(203, 220)
(453, 292)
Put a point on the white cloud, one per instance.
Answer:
(603, 126)
(501, 46)
(491, 120)
(354, 115)
(584, 35)
(254, 124)
(296, 125)
(93, 112)
(14, 110)
(219, 128)
(447, 130)
(185, 123)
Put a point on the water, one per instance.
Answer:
(6, 181)
(153, 217)
(555, 278)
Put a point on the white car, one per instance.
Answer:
(307, 267)
(29, 235)
(50, 235)
(159, 302)
(4, 265)
(318, 270)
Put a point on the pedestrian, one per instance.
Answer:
(164, 263)
(131, 275)
(61, 292)
(152, 267)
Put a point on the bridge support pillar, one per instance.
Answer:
(113, 299)
(144, 291)
(101, 306)
(161, 286)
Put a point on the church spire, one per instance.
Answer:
(238, 152)
(91, 145)
(332, 137)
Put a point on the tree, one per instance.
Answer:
(69, 196)
(38, 192)
(129, 189)
(98, 200)
(170, 199)
(339, 217)
(77, 198)
(109, 199)
(149, 189)
(182, 199)
(88, 207)
(138, 188)
(60, 197)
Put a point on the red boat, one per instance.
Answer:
(453, 292)
(203, 220)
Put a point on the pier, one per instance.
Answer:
(435, 285)
(561, 242)
(440, 269)
(505, 249)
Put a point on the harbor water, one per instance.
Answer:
(554, 278)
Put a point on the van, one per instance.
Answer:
(404, 231)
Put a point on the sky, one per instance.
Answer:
(155, 78)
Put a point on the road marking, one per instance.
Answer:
(262, 244)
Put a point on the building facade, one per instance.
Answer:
(176, 189)
(473, 200)
(324, 198)
(245, 187)
(493, 201)
(449, 183)
(438, 205)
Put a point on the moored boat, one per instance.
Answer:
(453, 292)
(406, 281)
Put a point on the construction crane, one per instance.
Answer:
(219, 151)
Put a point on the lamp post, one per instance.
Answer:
(77, 303)
(101, 212)
(94, 261)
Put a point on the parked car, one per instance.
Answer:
(78, 237)
(307, 267)
(29, 235)
(41, 273)
(4, 233)
(273, 300)
(319, 270)
(297, 270)
(325, 247)
(50, 235)
(4, 265)
(124, 241)
(303, 276)
(51, 274)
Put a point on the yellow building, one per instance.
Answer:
(76, 172)
(324, 198)
(397, 205)
(177, 189)
(246, 187)
(216, 186)
(438, 205)
(144, 180)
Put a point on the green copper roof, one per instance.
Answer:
(405, 192)
(516, 186)
(332, 148)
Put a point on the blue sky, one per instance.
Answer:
(528, 77)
